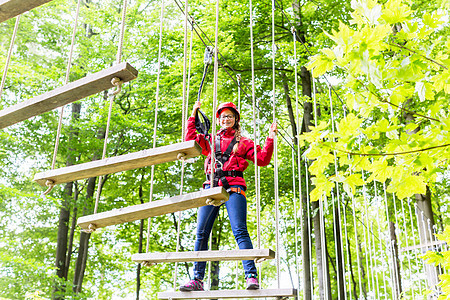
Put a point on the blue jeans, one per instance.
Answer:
(237, 213)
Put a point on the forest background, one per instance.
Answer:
(388, 67)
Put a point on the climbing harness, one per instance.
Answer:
(221, 159)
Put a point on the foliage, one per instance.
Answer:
(442, 259)
(396, 67)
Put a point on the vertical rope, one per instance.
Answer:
(8, 59)
(118, 83)
(336, 171)
(178, 226)
(216, 75)
(309, 225)
(299, 162)
(367, 248)
(155, 124)
(186, 13)
(255, 161)
(68, 67)
(122, 33)
(294, 200)
(277, 208)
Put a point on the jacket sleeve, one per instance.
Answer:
(264, 155)
(191, 134)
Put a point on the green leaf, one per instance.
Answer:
(408, 186)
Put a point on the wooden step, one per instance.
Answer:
(152, 209)
(120, 163)
(12, 8)
(68, 93)
(224, 294)
(216, 255)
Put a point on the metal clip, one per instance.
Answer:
(209, 54)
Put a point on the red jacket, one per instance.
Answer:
(238, 161)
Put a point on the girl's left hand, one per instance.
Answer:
(273, 130)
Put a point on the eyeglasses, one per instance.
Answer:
(227, 117)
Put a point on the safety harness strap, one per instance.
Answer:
(222, 158)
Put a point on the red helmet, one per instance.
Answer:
(231, 106)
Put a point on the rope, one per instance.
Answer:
(179, 224)
(380, 238)
(298, 152)
(155, 124)
(112, 96)
(49, 183)
(294, 198)
(182, 135)
(8, 59)
(216, 72)
(122, 33)
(222, 58)
(183, 118)
(335, 218)
(277, 208)
(255, 126)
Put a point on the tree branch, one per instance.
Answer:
(415, 52)
(393, 153)
(381, 99)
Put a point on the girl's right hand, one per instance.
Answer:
(197, 105)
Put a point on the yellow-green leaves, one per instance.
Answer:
(395, 12)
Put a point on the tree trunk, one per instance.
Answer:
(425, 216)
(80, 265)
(355, 292)
(322, 262)
(62, 261)
(397, 281)
(289, 107)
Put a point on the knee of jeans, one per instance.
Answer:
(202, 236)
(241, 233)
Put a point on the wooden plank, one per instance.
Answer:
(423, 246)
(68, 93)
(216, 255)
(152, 209)
(224, 294)
(12, 8)
(120, 163)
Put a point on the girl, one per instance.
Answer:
(232, 152)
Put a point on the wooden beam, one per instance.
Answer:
(152, 209)
(216, 255)
(224, 294)
(120, 163)
(423, 246)
(68, 93)
(12, 8)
